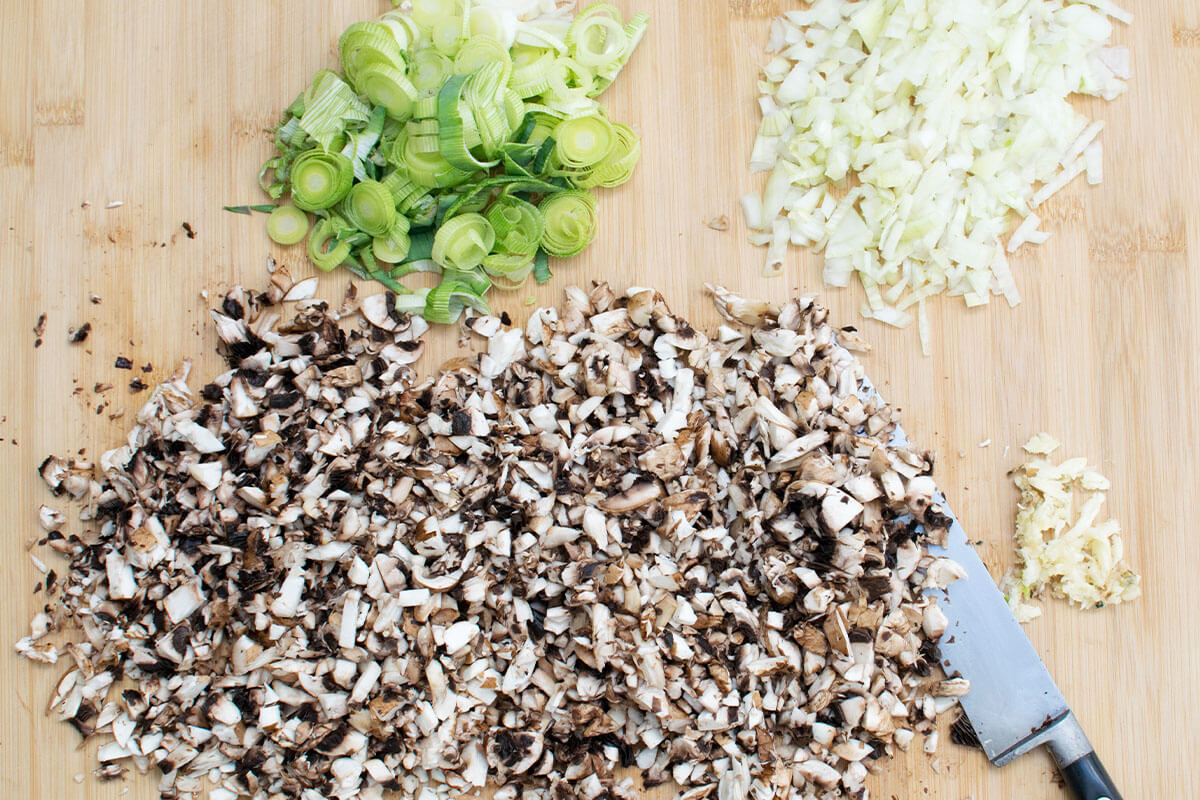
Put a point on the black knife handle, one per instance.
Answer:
(1088, 780)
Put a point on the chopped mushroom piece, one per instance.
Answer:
(610, 540)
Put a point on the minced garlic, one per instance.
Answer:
(1059, 546)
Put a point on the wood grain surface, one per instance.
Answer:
(163, 105)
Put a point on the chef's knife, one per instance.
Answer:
(1013, 704)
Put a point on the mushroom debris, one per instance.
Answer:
(608, 541)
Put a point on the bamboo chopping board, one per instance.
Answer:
(161, 106)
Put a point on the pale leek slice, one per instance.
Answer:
(635, 28)
(385, 85)
(518, 225)
(325, 251)
(320, 180)
(617, 166)
(370, 208)
(394, 246)
(446, 302)
(597, 36)
(462, 242)
(508, 271)
(428, 69)
(365, 44)
(583, 141)
(531, 71)
(287, 225)
(479, 51)
(360, 144)
(404, 28)
(570, 222)
(329, 104)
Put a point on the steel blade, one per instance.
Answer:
(1013, 702)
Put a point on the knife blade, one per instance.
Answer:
(1013, 704)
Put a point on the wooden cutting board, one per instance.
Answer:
(161, 106)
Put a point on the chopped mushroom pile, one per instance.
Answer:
(608, 541)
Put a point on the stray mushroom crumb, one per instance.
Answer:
(123, 363)
(80, 334)
(610, 540)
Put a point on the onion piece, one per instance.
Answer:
(948, 120)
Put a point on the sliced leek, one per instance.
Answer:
(370, 208)
(480, 51)
(386, 85)
(518, 225)
(597, 37)
(616, 167)
(325, 251)
(460, 138)
(583, 141)
(287, 225)
(446, 302)
(428, 69)
(570, 222)
(329, 105)
(463, 242)
(366, 44)
(320, 180)
(508, 271)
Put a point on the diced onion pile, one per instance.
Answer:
(1059, 546)
(901, 135)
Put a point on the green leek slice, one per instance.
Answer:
(476, 196)
(370, 208)
(508, 271)
(634, 30)
(583, 141)
(394, 246)
(404, 28)
(617, 166)
(479, 51)
(428, 69)
(287, 225)
(462, 242)
(385, 85)
(366, 44)
(446, 302)
(324, 249)
(541, 267)
(475, 280)
(329, 103)
(570, 222)
(597, 36)
(518, 225)
(423, 135)
(450, 127)
(320, 180)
